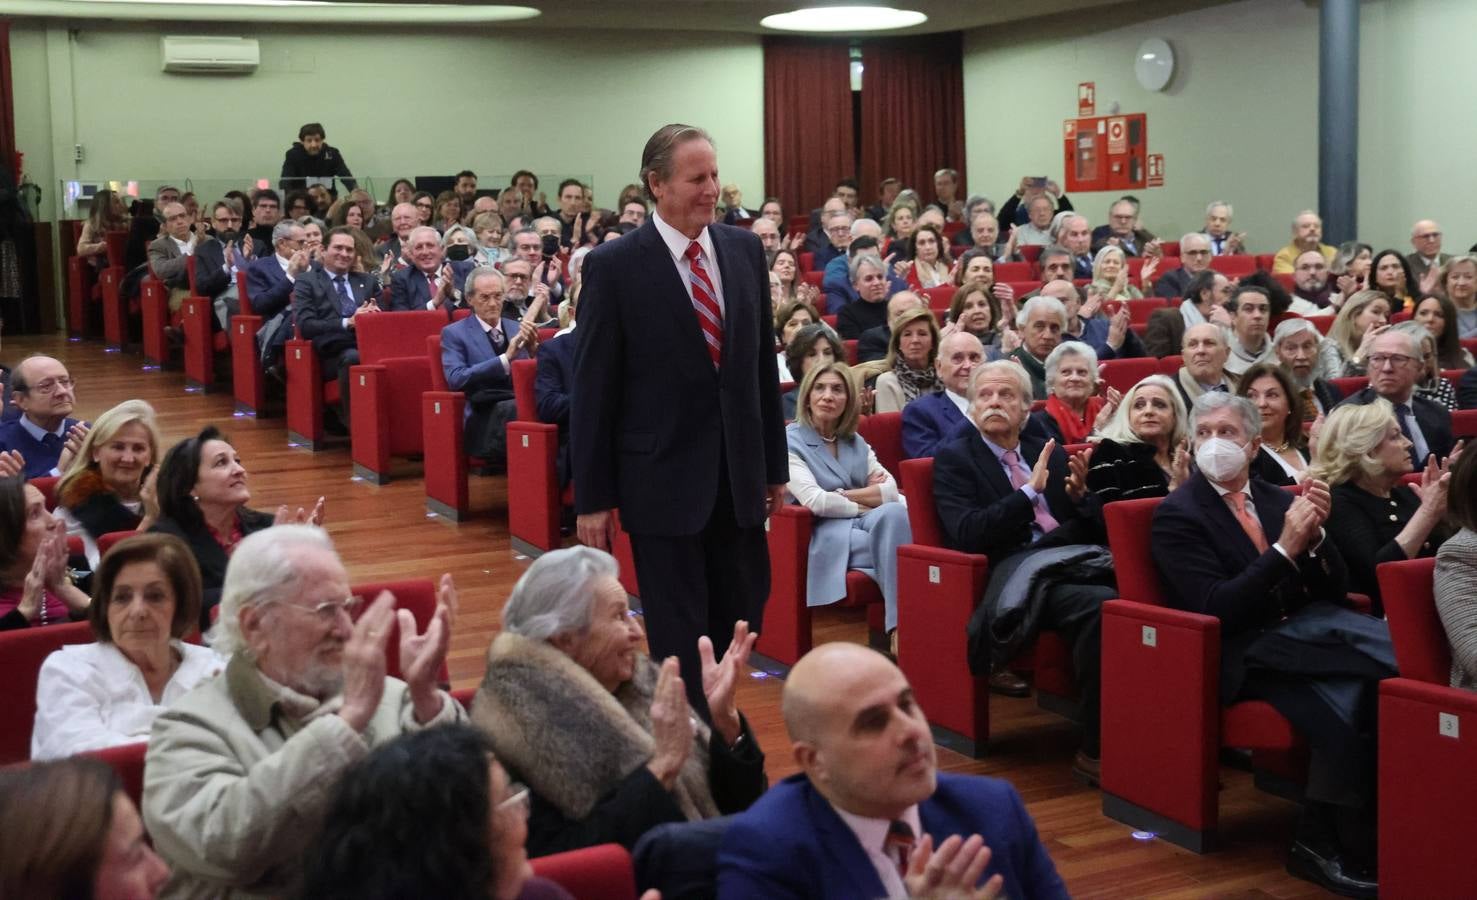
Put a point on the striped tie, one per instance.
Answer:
(705, 301)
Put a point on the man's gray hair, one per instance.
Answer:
(282, 231)
(1418, 336)
(557, 593)
(542, 219)
(410, 238)
(863, 260)
(864, 224)
(1210, 207)
(1009, 366)
(263, 568)
(470, 285)
(1210, 401)
(1194, 236)
(754, 226)
(1289, 327)
(840, 214)
(973, 204)
(1050, 304)
(1069, 348)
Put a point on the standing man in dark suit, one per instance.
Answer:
(1250, 554)
(327, 302)
(870, 809)
(1396, 360)
(678, 420)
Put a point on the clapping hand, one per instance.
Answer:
(1111, 399)
(1005, 294)
(1146, 274)
(671, 724)
(720, 679)
(422, 654)
(364, 662)
(1010, 339)
(1219, 316)
(12, 463)
(74, 437)
(1433, 489)
(952, 872)
(1179, 465)
(285, 516)
(1077, 465)
(1118, 327)
(1040, 472)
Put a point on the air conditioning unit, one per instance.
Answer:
(215, 55)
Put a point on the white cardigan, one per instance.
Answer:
(89, 697)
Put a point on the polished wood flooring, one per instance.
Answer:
(384, 532)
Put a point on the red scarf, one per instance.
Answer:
(1074, 430)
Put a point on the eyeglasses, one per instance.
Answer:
(1428, 237)
(328, 610)
(514, 276)
(1194, 253)
(51, 386)
(1380, 360)
(517, 801)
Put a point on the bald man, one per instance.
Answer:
(870, 815)
(1425, 240)
(169, 252)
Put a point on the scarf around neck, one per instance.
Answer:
(916, 382)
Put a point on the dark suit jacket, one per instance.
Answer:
(1165, 333)
(872, 344)
(1208, 565)
(40, 459)
(315, 307)
(409, 289)
(553, 391)
(1466, 390)
(1365, 530)
(1434, 419)
(1327, 393)
(268, 287)
(1172, 284)
(791, 844)
(654, 418)
(212, 275)
(468, 359)
(929, 422)
(209, 554)
(1101, 234)
(981, 513)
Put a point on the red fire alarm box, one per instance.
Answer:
(1106, 153)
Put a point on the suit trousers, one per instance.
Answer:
(1076, 611)
(338, 367)
(697, 584)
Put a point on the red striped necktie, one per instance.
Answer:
(705, 302)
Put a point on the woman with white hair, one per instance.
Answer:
(1073, 408)
(1141, 451)
(1110, 274)
(603, 736)
(1363, 455)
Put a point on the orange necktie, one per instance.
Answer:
(1249, 524)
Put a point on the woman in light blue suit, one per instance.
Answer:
(860, 516)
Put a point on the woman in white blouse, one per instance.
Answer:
(860, 516)
(92, 696)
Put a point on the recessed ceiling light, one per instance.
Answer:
(844, 19)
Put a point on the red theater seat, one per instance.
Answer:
(1125, 373)
(602, 872)
(1015, 271)
(81, 285)
(21, 654)
(154, 311)
(1234, 265)
(128, 762)
(939, 297)
(417, 595)
(248, 383)
(1351, 385)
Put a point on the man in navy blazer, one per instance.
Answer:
(934, 419)
(553, 392)
(869, 773)
(327, 301)
(1396, 361)
(270, 281)
(477, 356)
(423, 284)
(678, 422)
(45, 435)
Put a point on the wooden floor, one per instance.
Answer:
(384, 532)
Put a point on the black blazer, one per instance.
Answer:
(1364, 526)
(209, 554)
(1267, 469)
(1328, 394)
(315, 305)
(1208, 565)
(981, 513)
(872, 345)
(1466, 390)
(654, 418)
(1434, 419)
(409, 289)
(267, 286)
(212, 275)
(1125, 472)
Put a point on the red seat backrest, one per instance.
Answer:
(1129, 523)
(128, 761)
(417, 595)
(524, 373)
(394, 335)
(1351, 385)
(1422, 650)
(952, 228)
(602, 872)
(243, 292)
(21, 654)
(1125, 373)
(433, 354)
(1234, 264)
(850, 347)
(813, 277)
(916, 479)
(1170, 365)
(105, 542)
(1030, 253)
(799, 223)
(1464, 423)
(1014, 271)
(939, 297)
(1470, 345)
(1171, 248)
(117, 242)
(883, 432)
(807, 261)
(1287, 280)
(46, 484)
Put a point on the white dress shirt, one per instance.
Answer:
(677, 243)
(872, 835)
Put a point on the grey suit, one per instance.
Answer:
(171, 267)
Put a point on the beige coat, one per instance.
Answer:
(233, 788)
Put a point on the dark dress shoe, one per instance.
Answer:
(1009, 684)
(1331, 873)
(1087, 769)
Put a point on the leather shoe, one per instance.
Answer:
(1009, 684)
(1331, 873)
(1087, 769)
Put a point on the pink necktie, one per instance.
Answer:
(705, 301)
(1019, 475)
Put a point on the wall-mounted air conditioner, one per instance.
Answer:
(216, 55)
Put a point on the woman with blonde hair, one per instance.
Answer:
(1141, 451)
(109, 484)
(1459, 282)
(107, 214)
(1361, 319)
(1374, 518)
(908, 371)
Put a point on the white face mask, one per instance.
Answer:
(1220, 459)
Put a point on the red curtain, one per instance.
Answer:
(912, 111)
(7, 105)
(807, 121)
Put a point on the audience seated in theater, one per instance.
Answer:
(1223, 241)
(907, 371)
(169, 252)
(977, 310)
(427, 282)
(425, 207)
(270, 281)
(240, 772)
(1123, 231)
(202, 496)
(1014, 496)
(491, 233)
(870, 285)
(633, 212)
(1456, 572)
(345, 211)
(477, 356)
(1430, 383)
(520, 297)
(899, 224)
(869, 786)
(935, 418)
(1195, 254)
(929, 265)
(789, 318)
(546, 267)
(107, 214)
(1054, 264)
(860, 516)
(1315, 295)
(266, 212)
(811, 346)
(1109, 337)
(1307, 234)
(1250, 307)
(1282, 459)
(322, 199)
(837, 233)
(403, 219)
(1256, 558)
(1110, 274)
(1041, 323)
(978, 266)
(526, 184)
(1439, 315)
(298, 203)
(603, 736)
(571, 207)
(218, 257)
(1363, 317)
(1391, 275)
(313, 231)
(108, 693)
(1350, 266)
(1295, 342)
(1141, 451)
(983, 232)
(1074, 411)
(786, 265)
(1036, 230)
(887, 191)
(1459, 283)
(457, 824)
(109, 484)
(1396, 363)
(326, 303)
(72, 831)
(1363, 456)
(144, 226)
(448, 211)
(35, 587)
(1016, 211)
(1205, 298)
(311, 160)
(946, 195)
(1204, 352)
(43, 439)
